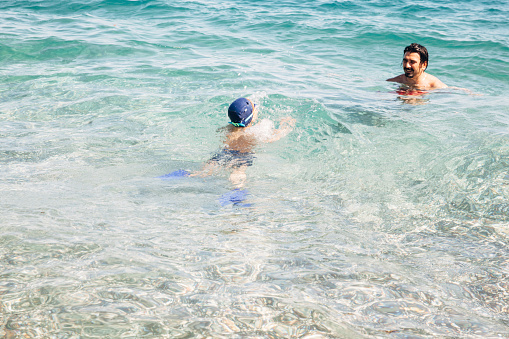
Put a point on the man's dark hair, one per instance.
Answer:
(421, 50)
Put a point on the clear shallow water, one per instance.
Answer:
(375, 217)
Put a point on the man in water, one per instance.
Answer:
(415, 62)
(241, 137)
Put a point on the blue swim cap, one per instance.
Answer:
(240, 112)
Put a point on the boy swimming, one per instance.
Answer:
(241, 137)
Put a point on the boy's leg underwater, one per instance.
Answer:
(238, 177)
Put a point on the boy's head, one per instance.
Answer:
(241, 112)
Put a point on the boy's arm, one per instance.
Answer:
(285, 126)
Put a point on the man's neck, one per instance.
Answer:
(419, 80)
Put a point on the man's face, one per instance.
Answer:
(412, 65)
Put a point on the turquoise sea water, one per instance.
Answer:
(378, 216)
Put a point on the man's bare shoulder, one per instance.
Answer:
(435, 83)
(400, 78)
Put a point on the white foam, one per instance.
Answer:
(263, 131)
